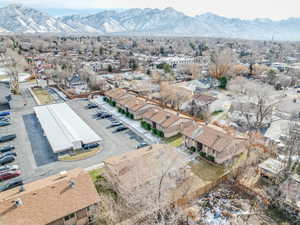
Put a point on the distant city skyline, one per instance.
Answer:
(273, 9)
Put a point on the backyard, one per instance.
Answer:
(206, 171)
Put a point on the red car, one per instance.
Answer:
(9, 174)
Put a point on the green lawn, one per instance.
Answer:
(80, 155)
(95, 173)
(175, 141)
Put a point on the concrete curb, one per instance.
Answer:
(34, 96)
(75, 160)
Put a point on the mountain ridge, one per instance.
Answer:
(20, 19)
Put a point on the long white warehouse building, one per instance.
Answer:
(64, 129)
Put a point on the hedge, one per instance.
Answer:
(208, 157)
(145, 125)
(105, 99)
(203, 154)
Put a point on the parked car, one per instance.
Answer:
(90, 146)
(4, 123)
(4, 113)
(104, 115)
(142, 144)
(7, 159)
(9, 174)
(5, 119)
(91, 106)
(8, 153)
(119, 129)
(114, 124)
(112, 119)
(9, 137)
(6, 148)
(9, 167)
(11, 184)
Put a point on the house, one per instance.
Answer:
(75, 81)
(165, 123)
(200, 102)
(115, 94)
(143, 170)
(212, 142)
(277, 133)
(245, 114)
(288, 109)
(134, 106)
(290, 192)
(62, 199)
(271, 168)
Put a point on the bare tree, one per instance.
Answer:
(220, 63)
(148, 198)
(17, 63)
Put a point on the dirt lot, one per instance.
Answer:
(43, 96)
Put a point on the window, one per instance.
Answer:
(68, 217)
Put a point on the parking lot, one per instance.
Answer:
(34, 155)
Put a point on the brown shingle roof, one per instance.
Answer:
(136, 168)
(212, 137)
(193, 131)
(217, 140)
(151, 112)
(124, 101)
(115, 93)
(48, 199)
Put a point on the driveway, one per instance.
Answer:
(132, 124)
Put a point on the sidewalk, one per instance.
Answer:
(132, 124)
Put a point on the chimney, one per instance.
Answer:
(71, 183)
(18, 202)
(21, 189)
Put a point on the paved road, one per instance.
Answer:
(34, 156)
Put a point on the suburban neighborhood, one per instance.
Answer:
(149, 130)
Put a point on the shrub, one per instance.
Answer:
(161, 134)
(203, 154)
(113, 103)
(193, 149)
(211, 158)
(145, 125)
(223, 82)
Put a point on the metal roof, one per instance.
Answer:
(63, 127)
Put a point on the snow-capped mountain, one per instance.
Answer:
(19, 19)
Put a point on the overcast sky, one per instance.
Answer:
(274, 9)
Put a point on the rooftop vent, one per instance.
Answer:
(63, 173)
(71, 183)
(21, 189)
(18, 202)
